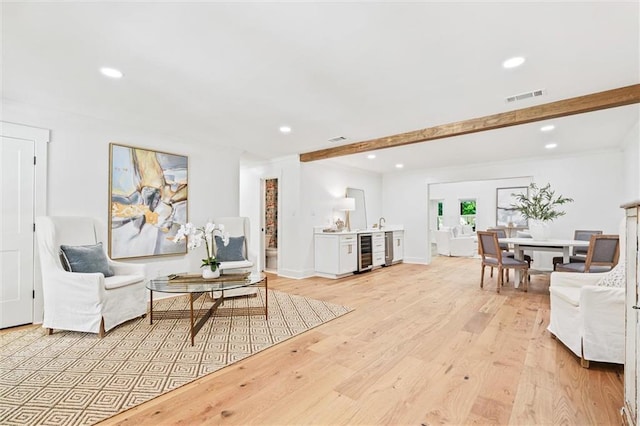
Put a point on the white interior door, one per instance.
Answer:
(16, 231)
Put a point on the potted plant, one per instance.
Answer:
(196, 236)
(540, 207)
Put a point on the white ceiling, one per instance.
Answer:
(233, 73)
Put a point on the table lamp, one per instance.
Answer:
(347, 205)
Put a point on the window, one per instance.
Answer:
(468, 213)
(440, 223)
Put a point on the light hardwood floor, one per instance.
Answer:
(424, 345)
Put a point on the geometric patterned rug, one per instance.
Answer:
(73, 378)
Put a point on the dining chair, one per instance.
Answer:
(506, 251)
(491, 254)
(579, 253)
(602, 255)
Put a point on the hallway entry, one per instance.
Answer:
(271, 225)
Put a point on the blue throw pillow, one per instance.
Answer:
(91, 258)
(232, 252)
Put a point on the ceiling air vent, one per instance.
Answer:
(337, 139)
(526, 95)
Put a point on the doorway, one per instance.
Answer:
(271, 225)
(23, 159)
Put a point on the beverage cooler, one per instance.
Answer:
(365, 252)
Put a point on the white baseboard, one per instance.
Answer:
(295, 274)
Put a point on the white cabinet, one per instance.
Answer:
(335, 255)
(377, 243)
(398, 246)
(348, 254)
(632, 305)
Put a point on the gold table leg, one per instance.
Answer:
(196, 326)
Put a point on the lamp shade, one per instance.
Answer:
(346, 204)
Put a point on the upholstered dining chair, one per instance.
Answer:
(579, 253)
(506, 252)
(491, 254)
(84, 290)
(602, 255)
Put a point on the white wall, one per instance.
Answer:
(594, 180)
(78, 172)
(307, 197)
(287, 171)
(322, 184)
(483, 191)
(631, 145)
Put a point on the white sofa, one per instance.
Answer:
(456, 241)
(587, 316)
(86, 302)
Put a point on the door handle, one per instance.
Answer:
(636, 307)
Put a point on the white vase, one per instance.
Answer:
(539, 230)
(208, 273)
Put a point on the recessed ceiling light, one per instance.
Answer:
(551, 145)
(513, 62)
(371, 156)
(547, 128)
(111, 72)
(285, 129)
(399, 166)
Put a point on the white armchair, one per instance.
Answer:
(587, 316)
(236, 227)
(450, 243)
(82, 301)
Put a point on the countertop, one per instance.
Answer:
(390, 228)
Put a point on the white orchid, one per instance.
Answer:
(197, 235)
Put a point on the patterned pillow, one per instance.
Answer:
(614, 278)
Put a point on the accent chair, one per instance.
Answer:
(587, 314)
(84, 290)
(234, 257)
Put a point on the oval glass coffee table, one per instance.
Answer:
(196, 286)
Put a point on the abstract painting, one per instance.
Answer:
(147, 201)
(506, 214)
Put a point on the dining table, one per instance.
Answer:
(521, 244)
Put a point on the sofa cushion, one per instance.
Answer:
(87, 259)
(235, 265)
(232, 252)
(614, 278)
(570, 295)
(117, 281)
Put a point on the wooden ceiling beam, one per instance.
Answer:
(593, 102)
